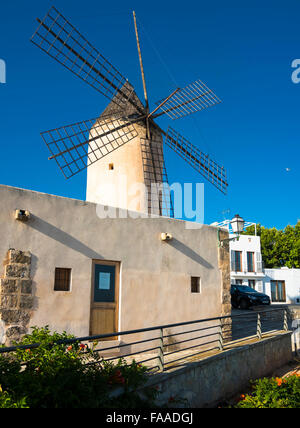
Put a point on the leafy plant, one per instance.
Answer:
(8, 402)
(279, 247)
(53, 374)
(273, 393)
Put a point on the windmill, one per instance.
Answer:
(126, 136)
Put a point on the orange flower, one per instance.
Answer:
(279, 381)
(69, 348)
(242, 397)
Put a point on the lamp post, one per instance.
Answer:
(237, 225)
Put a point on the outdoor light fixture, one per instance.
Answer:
(166, 236)
(237, 225)
(22, 215)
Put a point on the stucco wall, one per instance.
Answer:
(155, 276)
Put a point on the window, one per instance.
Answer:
(62, 279)
(251, 283)
(239, 282)
(195, 284)
(238, 261)
(246, 288)
(250, 261)
(278, 291)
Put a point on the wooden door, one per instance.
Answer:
(104, 305)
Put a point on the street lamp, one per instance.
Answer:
(237, 225)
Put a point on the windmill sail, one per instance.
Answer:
(77, 146)
(191, 99)
(208, 168)
(155, 176)
(59, 39)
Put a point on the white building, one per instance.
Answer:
(246, 262)
(245, 258)
(65, 266)
(281, 285)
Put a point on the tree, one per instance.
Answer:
(278, 247)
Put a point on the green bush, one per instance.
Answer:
(273, 393)
(56, 375)
(8, 402)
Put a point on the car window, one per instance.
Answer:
(245, 288)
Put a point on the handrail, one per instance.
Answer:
(141, 330)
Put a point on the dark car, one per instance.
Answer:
(243, 297)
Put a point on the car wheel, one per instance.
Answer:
(244, 304)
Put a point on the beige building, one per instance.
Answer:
(65, 267)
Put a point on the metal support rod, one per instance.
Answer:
(143, 74)
(285, 321)
(258, 328)
(161, 350)
(221, 341)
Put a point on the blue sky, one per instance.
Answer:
(242, 50)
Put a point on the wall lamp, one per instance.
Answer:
(237, 225)
(166, 236)
(22, 215)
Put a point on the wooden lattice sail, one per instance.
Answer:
(127, 125)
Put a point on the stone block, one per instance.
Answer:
(15, 331)
(14, 316)
(25, 285)
(8, 286)
(17, 270)
(226, 298)
(226, 309)
(9, 301)
(26, 302)
(17, 256)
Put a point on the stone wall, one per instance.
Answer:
(16, 299)
(207, 382)
(224, 266)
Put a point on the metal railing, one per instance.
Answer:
(185, 341)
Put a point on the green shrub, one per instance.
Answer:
(56, 375)
(8, 402)
(273, 393)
